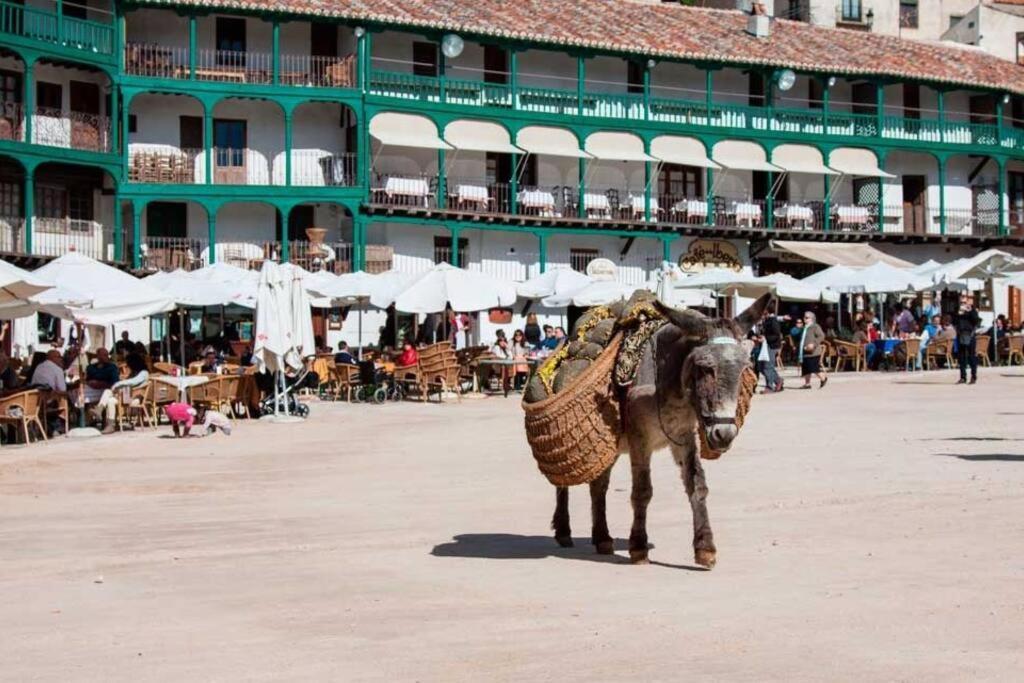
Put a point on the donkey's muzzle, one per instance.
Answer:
(720, 431)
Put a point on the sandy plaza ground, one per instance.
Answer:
(873, 530)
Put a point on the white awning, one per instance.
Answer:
(800, 159)
(406, 130)
(616, 147)
(556, 142)
(856, 161)
(479, 136)
(856, 255)
(679, 150)
(742, 155)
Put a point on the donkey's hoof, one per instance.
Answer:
(638, 557)
(705, 558)
(564, 541)
(605, 547)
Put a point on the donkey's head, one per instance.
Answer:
(711, 373)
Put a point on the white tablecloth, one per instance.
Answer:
(594, 201)
(638, 204)
(852, 214)
(472, 193)
(411, 187)
(745, 211)
(692, 207)
(795, 212)
(536, 199)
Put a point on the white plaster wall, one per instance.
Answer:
(264, 136)
(672, 80)
(999, 32)
(157, 27)
(606, 75)
(544, 69)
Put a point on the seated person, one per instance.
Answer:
(107, 405)
(246, 357)
(343, 356)
(8, 377)
(862, 338)
(409, 355)
(124, 345)
(50, 373)
(550, 342)
(100, 376)
(210, 363)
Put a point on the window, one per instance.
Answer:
(495, 64)
(133, 123)
(80, 203)
(84, 97)
(865, 98)
(49, 96)
(167, 219)
(190, 132)
(908, 13)
(230, 41)
(815, 94)
(676, 182)
(10, 200)
(10, 86)
(756, 89)
(911, 101)
(424, 59)
(851, 10)
(1017, 111)
(443, 250)
(229, 138)
(77, 9)
(579, 259)
(634, 78)
(954, 19)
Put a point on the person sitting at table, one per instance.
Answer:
(343, 356)
(246, 358)
(550, 341)
(904, 322)
(997, 338)
(948, 332)
(100, 375)
(929, 332)
(532, 331)
(28, 372)
(8, 377)
(106, 406)
(861, 338)
(500, 348)
(210, 364)
(409, 354)
(519, 349)
(124, 345)
(560, 337)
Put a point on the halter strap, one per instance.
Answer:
(722, 340)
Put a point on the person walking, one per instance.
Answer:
(966, 325)
(770, 338)
(810, 351)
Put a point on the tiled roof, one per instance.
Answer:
(663, 30)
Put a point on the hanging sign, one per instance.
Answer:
(704, 254)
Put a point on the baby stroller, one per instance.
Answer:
(286, 400)
(376, 385)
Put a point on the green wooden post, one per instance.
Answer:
(513, 77)
(29, 98)
(647, 190)
(708, 199)
(208, 140)
(442, 81)
(118, 228)
(940, 96)
(513, 187)
(29, 207)
(115, 121)
(60, 21)
(136, 237)
(542, 246)
(826, 97)
(367, 60)
(442, 180)
(666, 249)
(192, 47)
(288, 147)
(285, 247)
(581, 81)
(769, 202)
(647, 92)
(454, 256)
(1001, 192)
(942, 195)
(999, 119)
(123, 121)
(119, 34)
(879, 106)
(275, 57)
(709, 80)
(581, 173)
(211, 232)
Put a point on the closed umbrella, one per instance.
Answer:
(303, 340)
(273, 320)
(463, 290)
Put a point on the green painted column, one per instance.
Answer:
(359, 230)
(647, 92)
(581, 210)
(999, 118)
(60, 21)
(880, 106)
(826, 220)
(120, 32)
(285, 247)
(211, 232)
(288, 148)
(115, 121)
(513, 187)
(208, 140)
(881, 192)
(647, 190)
(1001, 195)
(513, 77)
(442, 180)
(826, 99)
(29, 207)
(581, 83)
(275, 57)
(136, 237)
(442, 81)
(453, 258)
(940, 96)
(709, 82)
(118, 228)
(29, 98)
(666, 249)
(192, 47)
(124, 124)
(542, 247)
(367, 60)
(708, 199)
(769, 202)
(942, 195)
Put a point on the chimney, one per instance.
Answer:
(758, 23)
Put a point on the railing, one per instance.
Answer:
(321, 72)
(156, 61)
(172, 253)
(240, 166)
(334, 257)
(404, 86)
(12, 234)
(12, 121)
(409, 191)
(71, 129)
(680, 209)
(31, 22)
(477, 196)
(617, 106)
(317, 168)
(235, 67)
(175, 166)
(559, 201)
(58, 236)
(742, 213)
(478, 93)
(547, 100)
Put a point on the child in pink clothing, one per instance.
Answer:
(182, 417)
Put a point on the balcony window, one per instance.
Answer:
(851, 10)
(911, 101)
(49, 96)
(10, 87)
(424, 59)
(495, 64)
(908, 13)
(167, 219)
(443, 250)
(634, 78)
(230, 41)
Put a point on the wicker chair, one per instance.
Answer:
(936, 349)
(217, 394)
(1015, 348)
(344, 380)
(849, 353)
(22, 410)
(982, 347)
(911, 348)
(136, 406)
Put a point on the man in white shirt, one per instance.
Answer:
(50, 373)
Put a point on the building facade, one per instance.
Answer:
(508, 139)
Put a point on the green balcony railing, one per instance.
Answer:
(547, 100)
(405, 86)
(37, 24)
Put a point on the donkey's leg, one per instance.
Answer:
(686, 457)
(640, 460)
(599, 535)
(560, 521)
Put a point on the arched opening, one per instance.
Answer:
(972, 196)
(405, 154)
(248, 138)
(743, 185)
(165, 139)
(325, 139)
(320, 237)
(12, 95)
(910, 201)
(73, 106)
(12, 206)
(74, 211)
(856, 196)
(174, 235)
(247, 234)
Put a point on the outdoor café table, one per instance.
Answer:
(416, 188)
(182, 382)
(745, 211)
(691, 208)
(637, 204)
(794, 213)
(472, 194)
(507, 367)
(851, 215)
(596, 202)
(543, 202)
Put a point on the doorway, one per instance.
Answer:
(914, 192)
(229, 141)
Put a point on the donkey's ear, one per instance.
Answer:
(694, 324)
(749, 317)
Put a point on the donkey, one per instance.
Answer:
(688, 378)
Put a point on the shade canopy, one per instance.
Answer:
(616, 147)
(597, 293)
(783, 286)
(406, 130)
(878, 278)
(557, 142)
(465, 291)
(360, 287)
(742, 155)
(856, 161)
(663, 284)
(831, 276)
(555, 282)
(187, 291)
(854, 255)
(675, 149)
(800, 159)
(716, 279)
(989, 263)
(17, 284)
(241, 283)
(479, 136)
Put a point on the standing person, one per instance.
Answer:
(771, 341)
(810, 351)
(966, 324)
(905, 322)
(532, 331)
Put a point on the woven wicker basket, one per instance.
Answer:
(575, 434)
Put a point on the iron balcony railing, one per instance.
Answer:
(12, 234)
(71, 129)
(172, 253)
(58, 236)
(44, 25)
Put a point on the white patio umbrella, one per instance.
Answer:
(878, 278)
(989, 263)
(188, 291)
(785, 287)
(664, 281)
(716, 279)
(360, 289)
(597, 293)
(304, 341)
(18, 285)
(466, 291)
(241, 283)
(833, 275)
(555, 282)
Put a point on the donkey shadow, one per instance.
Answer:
(517, 547)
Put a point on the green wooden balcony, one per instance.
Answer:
(718, 116)
(44, 26)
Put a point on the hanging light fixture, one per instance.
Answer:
(359, 32)
(831, 81)
(452, 45)
(785, 79)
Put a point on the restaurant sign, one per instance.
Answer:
(704, 254)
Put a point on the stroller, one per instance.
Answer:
(286, 399)
(376, 385)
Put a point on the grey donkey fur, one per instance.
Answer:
(688, 369)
